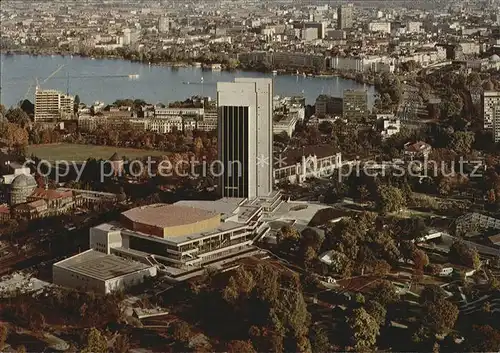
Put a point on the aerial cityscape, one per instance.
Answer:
(249, 176)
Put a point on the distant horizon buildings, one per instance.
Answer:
(163, 24)
(52, 105)
(245, 138)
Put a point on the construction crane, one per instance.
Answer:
(37, 85)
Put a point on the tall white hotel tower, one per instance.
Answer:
(245, 137)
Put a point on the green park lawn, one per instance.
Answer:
(78, 153)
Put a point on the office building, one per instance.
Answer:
(345, 16)
(490, 100)
(127, 36)
(245, 137)
(51, 105)
(309, 34)
(164, 25)
(328, 105)
(384, 27)
(355, 107)
(496, 122)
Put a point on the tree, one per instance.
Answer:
(432, 294)
(461, 253)
(288, 236)
(390, 199)
(454, 105)
(384, 292)
(21, 349)
(483, 339)
(4, 332)
(363, 192)
(240, 347)
(309, 256)
(420, 259)
(77, 103)
(121, 344)
(96, 342)
(461, 142)
(364, 329)
(381, 268)
(376, 310)
(440, 316)
(311, 238)
(319, 340)
(17, 116)
(181, 332)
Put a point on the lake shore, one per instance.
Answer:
(204, 66)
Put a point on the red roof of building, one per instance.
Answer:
(417, 147)
(49, 194)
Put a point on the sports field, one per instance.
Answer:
(79, 153)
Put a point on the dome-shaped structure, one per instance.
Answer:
(23, 180)
(495, 58)
(21, 187)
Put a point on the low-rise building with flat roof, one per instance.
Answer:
(102, 273)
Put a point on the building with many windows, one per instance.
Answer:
(328, 105)
(496, 123)
(345, 16)
(245, 137)
(491, 99)
(51, 105)
(355, 107)
(182, 236)
(297, 165)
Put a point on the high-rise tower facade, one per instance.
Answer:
(345, 16)
(490, 100)
(245, 109)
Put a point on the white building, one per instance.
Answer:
(173, 112)
(164, 25)
(245, 137)
(391, 125)
(52, 105)
(183, 236)
(362, 63)
(286, 125)
(384, 27)
(296, 166)
(165, 125)
(101, 273)
(496, 123)
(413, 27)
(490, 100)
(127, 36)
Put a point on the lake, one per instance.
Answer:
(107, 80)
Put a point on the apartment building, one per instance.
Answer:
(52, 105)
(355, 107)
(491, 99)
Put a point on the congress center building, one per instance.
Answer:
(183, 235)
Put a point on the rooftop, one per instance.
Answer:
(163, 215)
(100, 266)
(227, 206)
(294, 155)
(49, 194)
